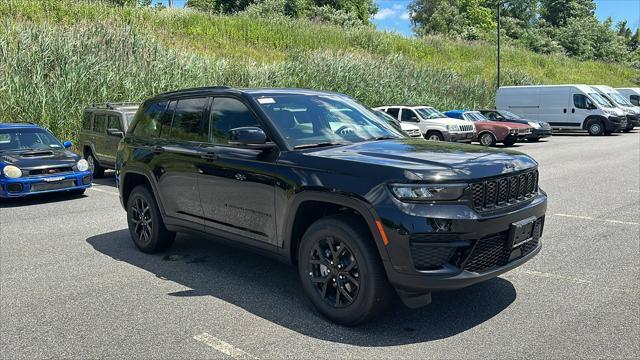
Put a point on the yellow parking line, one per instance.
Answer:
(600, 220)
(103, 191)
(223, 347)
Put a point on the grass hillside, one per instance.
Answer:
(57, 56)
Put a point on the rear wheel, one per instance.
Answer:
(98, 171)
(146, 227)
(341, 271)
(487, 139)
(595, 128)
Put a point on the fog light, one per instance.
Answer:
(14, 187)
(86, 180)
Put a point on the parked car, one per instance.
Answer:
(432, 123)
(33, 161)
(318, 180)
(631, 94)
(631, 111)
(539, 129)
(564, 107)
(492, 132)
(103, 126)
(409, 129)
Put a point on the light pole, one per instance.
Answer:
(498, 5)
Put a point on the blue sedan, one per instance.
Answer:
(33, 161)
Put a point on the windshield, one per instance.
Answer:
(27, 139)
(509, 115)
(430, 113)
(619, 99)
(314, 120)
(475, 116)
(601, 100)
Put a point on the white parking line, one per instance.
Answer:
(601, 220)
(103, 191)
(223, 347)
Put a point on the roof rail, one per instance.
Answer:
(115, 105)
(197, 89)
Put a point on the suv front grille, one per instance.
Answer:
(50, 171)
(466, 127)
(504, 191)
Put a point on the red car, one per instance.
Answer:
(492, 132)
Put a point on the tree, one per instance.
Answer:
(559, 12)
(460, 18)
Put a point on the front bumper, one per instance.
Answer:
(33, 185)
(633, 121)
(466, 137)
(615, 123)
(457, 243)
(540, 133)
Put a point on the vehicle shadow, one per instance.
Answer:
(578, 134)
(38, 199)
(271, 290)
(109, 179)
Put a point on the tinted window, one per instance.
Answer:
(189, 121)
(86, 121)
(100, 123)
(166, 119)
(148, 123)
(407, 114)
(113, 122)
(580, 101)
(227, 114)
(635, 100)
(393, 112)
(490, 115)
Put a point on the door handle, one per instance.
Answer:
(209, 156)
(573, 111)
(564, 111)
(157, 149)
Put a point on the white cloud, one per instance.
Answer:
(405, 15)
(384, 13)
(398, 6)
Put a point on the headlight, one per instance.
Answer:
(453, 128)
(421, 192)
(12, 172)
(534, 125)
(83, 165)
(513, 131)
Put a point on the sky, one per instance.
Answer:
(392, 14)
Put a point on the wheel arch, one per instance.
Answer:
(308, 207)
(589, 118)
(130, 179)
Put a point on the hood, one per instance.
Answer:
(452, 121)
(512, 125)
(33, 159)
(419, 160)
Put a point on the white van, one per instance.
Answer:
(632, 111)
(433, 124)
(631, 94)
(570, 107)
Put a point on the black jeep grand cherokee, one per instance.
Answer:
(318, 180)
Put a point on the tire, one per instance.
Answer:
(595, 128)
(626, 130)
(98, 171)
(509, 142)
(487, 139)
(536, 139)
(358, 262)
(434, 136)
(77, 192)
(150, 234)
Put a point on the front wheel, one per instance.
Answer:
(434, 136)
(94, 166)
(146, 227)
(341, 271)
(595, 128)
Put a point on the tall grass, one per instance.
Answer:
(58, 56)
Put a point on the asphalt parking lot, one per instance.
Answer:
(72, 285)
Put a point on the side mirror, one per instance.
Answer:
(414, 119)
(67, 144)
(115, 132)
(250, 137)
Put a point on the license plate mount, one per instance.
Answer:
(522, 231)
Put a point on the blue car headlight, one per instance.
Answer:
(12, 172)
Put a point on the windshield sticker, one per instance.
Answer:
(266, 101)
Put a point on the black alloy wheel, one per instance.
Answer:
(142, 220)
(146, 226)
(334, 272)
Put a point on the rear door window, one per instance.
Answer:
(86, 120)
(393, 112)
(189, 120)
(113, 122)
(148, 125)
